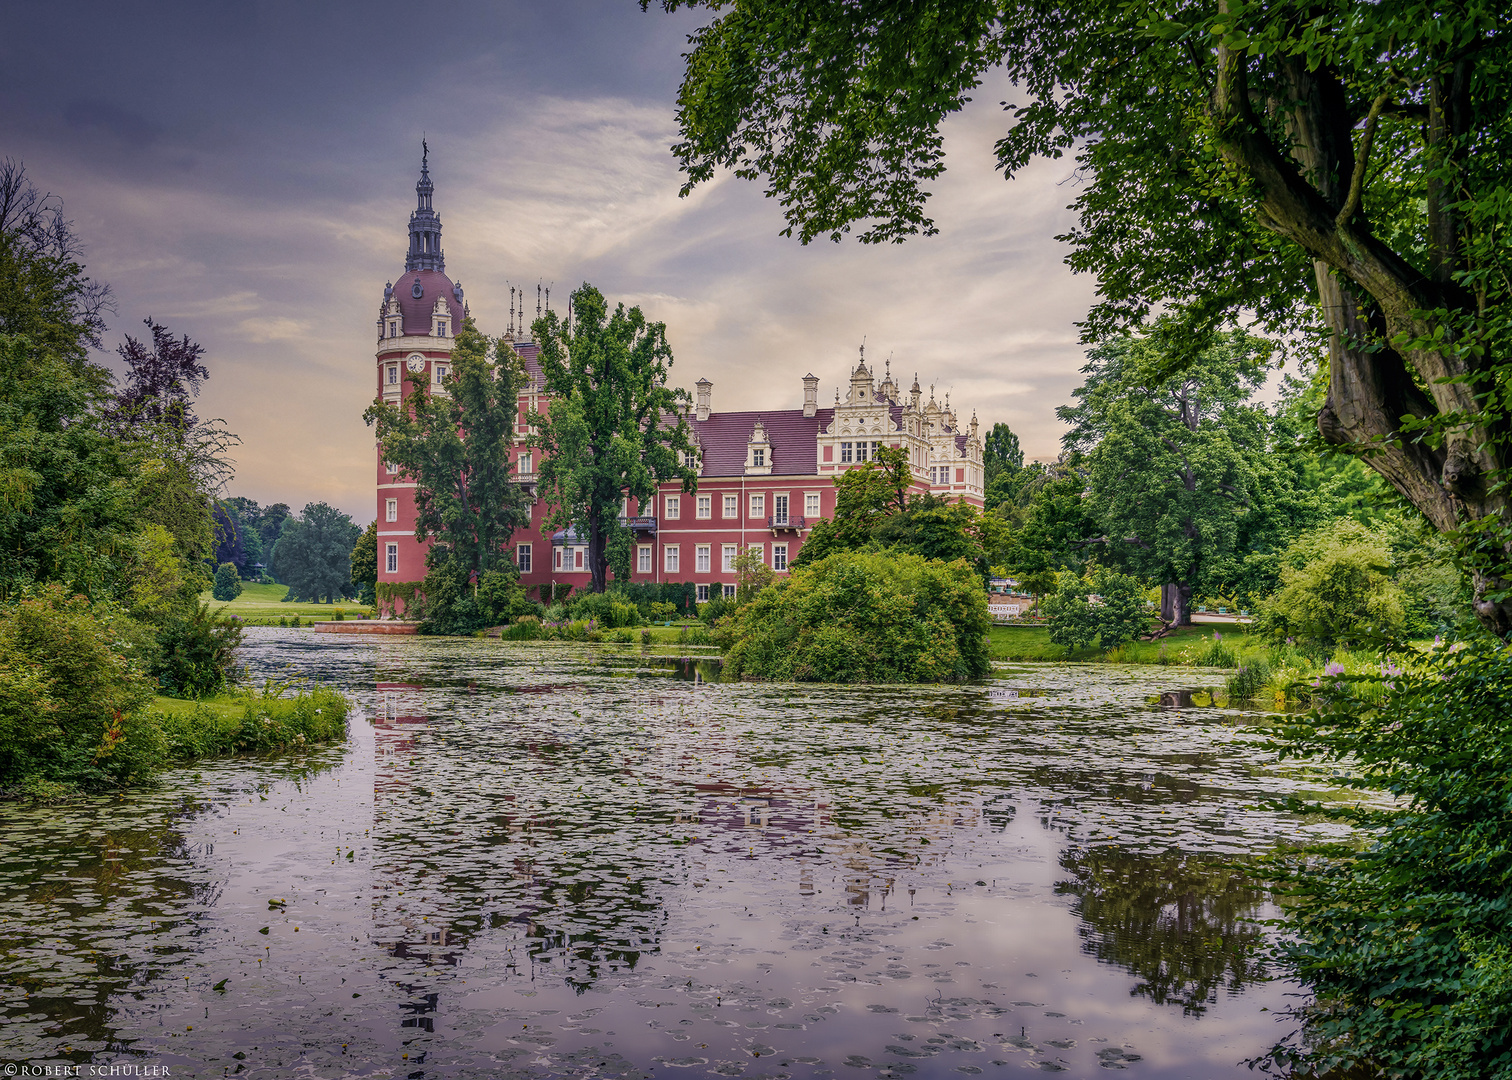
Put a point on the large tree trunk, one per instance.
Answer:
(1369, 295)
(598, 555)
(1176, 603)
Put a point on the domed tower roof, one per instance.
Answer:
(424, 280)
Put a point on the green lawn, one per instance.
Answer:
(1033, 643)
(262, 605)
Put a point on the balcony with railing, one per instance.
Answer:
(778, 522)
(638, 524)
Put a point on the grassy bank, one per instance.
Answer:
(264, 605)
(1033, 643)
(248, 722)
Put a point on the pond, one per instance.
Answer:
(543, 860)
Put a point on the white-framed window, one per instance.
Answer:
(438, 373)
(643, 563)
(732, 506)
(860, 451)
(440, 327)
(729, 591)
(390, 468)
(393, 328)
(779, 509)
(811, 504)
(526, 464)
(779, 556)
(727, 558)
(701, 558)
(393, 375)
(670, 559)
(557, 560)
(702, 593)
(690, 459)
(390, 509)
(758, 506)
(391, 558)
(758, 457)
(705, 506)
(674, 507)
(522, 557)
(845, 452)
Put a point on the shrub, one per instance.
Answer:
(645, 636)
(1247, 683)
(196, 653)
(865, 617)
(72, 694)
(456, 605)
(606, 609)
(1104, 605)
(1405, 942)
(228, 584)
(1334, 589)
(525, 628)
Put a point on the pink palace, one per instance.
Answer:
(764, 476)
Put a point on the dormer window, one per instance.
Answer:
(758, 458)
(759, 451)
(393, 328)
(440, 327)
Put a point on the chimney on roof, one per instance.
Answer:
(810, 395)
(705, 388)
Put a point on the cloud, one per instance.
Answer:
(273, 250)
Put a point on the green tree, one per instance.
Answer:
(1335, 588)
(364, 564)
(228, 584)
(313, 555)
(1337, 169)
(1102, 605)
(455, 446)
(860, 616)
(1001, 453)
(865, 497)
(1183, 477)
(1055, 531)
(615, 428)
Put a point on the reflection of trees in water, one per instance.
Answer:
(1182, 925)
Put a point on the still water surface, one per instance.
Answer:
(568, 861)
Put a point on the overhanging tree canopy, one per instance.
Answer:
(1334, 167)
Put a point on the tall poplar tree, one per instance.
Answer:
(455, 447)
(615, 428)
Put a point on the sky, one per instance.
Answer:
(244, 173)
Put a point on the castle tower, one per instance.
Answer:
(418, 320)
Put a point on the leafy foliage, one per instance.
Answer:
(196, 653)
(313, 556)
(228, 584)
(455, 447)
(1185, 480)
(1335, 589)
(364, 564)
(71, 699)
(1118, 614)
(865, 617)
(615, 427)
(1001, 453)
(1406, 942)
(456, 603)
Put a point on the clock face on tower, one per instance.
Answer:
(416, 362)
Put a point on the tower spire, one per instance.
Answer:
(425, 224)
